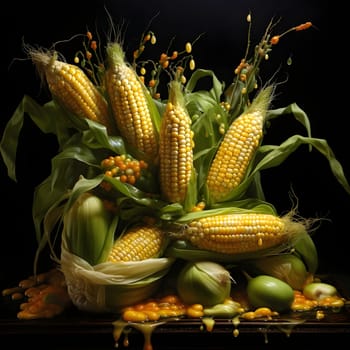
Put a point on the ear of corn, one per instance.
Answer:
(241, 233)
(88, 229)
(138, 243)
(72, 88)
(129, 103)
(175, 147)
(237, 148)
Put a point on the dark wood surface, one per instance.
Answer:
(75, 329)
(78, 331)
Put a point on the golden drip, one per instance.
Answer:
(209, 323)
(146, 328)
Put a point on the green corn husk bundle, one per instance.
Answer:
(89, 229)
(109, 287)
(94, 283)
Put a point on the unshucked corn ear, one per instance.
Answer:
(109, 287)
(129, 103)
(138, 243)
(287, 267)
(72, 88)
(238, 147)
(242, 233)
(88, 229)
(175, 147)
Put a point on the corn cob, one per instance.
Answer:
(72, 88)
(129, 103)
(175, 147)
(241, 233)
(138, 243)
(237, 148)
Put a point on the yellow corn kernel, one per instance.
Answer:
(249, 315)
(195, 311)
(152, 315)
(129, 103)
(72, 88)
(192, 64)
(134, 316)
(264, 312)
(241, 233)
(138, 243)
(175, 147)
(188, 47)
(237, 148)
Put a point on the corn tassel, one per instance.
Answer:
(138, 243)
(129, 103)
(72, 88)
(175, 147)
(237, 148)
(241, 233)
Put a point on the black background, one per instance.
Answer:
(222, 45)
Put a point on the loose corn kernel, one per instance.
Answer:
(134, 316)
(188, 47)
(153, 310)
(249, 315)
(195, 311)
(320, 314)
(153, 39)
(192, 64)
(152, 315)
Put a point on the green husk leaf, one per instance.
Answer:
(42, 116)
(89, 228)
(217, 88)
(275, 155)
(243, 206)
(182, 249)
(272, 156)
(296, 111)
(306, 250)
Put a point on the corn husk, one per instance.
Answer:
(286, 267)
(109, 287)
